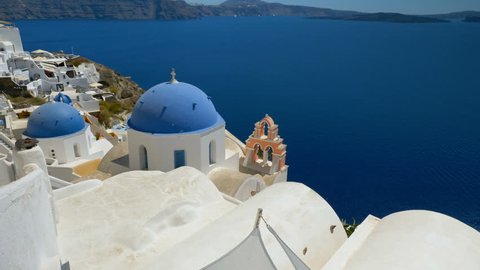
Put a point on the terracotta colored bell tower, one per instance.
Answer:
(265, 151)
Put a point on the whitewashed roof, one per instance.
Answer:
(418, 240)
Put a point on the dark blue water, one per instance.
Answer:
(378, 117)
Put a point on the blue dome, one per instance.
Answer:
(61, 97)
(173, 108)
(53, 120)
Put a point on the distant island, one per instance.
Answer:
(472, 19)
(387, 17)
(181, 10)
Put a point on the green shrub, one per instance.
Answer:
(349, 228)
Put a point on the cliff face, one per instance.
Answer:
(178, 10)
(149, 9)
(95, 9)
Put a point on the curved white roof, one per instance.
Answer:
(179, 220)
(299, 215)
(418, 240)
(134, 217)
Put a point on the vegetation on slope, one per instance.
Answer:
(125, 90)
(19, 102)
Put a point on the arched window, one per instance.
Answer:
(212, 152)
(265, 128)
(76, 150)
(143, 154)
(258, 152)
(269, 154)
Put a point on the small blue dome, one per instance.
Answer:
(173, 108)
(61, 97)
(53, 120)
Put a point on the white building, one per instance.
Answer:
(175, 124)
(10, 44)
(69, 147)
(41, 72)
(63, 134)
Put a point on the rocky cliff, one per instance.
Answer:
(150, 9)
(179, 9)
(94, 9)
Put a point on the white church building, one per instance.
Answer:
(62, 133)
(175, 124)
(69, 147)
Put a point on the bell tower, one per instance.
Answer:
(265, 152)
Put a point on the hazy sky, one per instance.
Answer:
(403, 6)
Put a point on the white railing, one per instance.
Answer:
(5, 139)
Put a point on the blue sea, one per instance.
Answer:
(378, 117)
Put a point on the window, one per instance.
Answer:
(143, 155)
(265, 128)
(76, 150)
(212, 152)
(258, 152)
(179, 156)
(269, 153)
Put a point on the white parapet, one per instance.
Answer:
(29, 156)
(413, 240)
(28, 235)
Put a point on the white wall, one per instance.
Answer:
(418, 240)
(64, 146)
(250, 184)
(161, 147)
(88, 71)
(29, 156)
(28, 237)
(218, 137)
(230, 162)
(6, 170)
(12, 34)
(7, 47)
